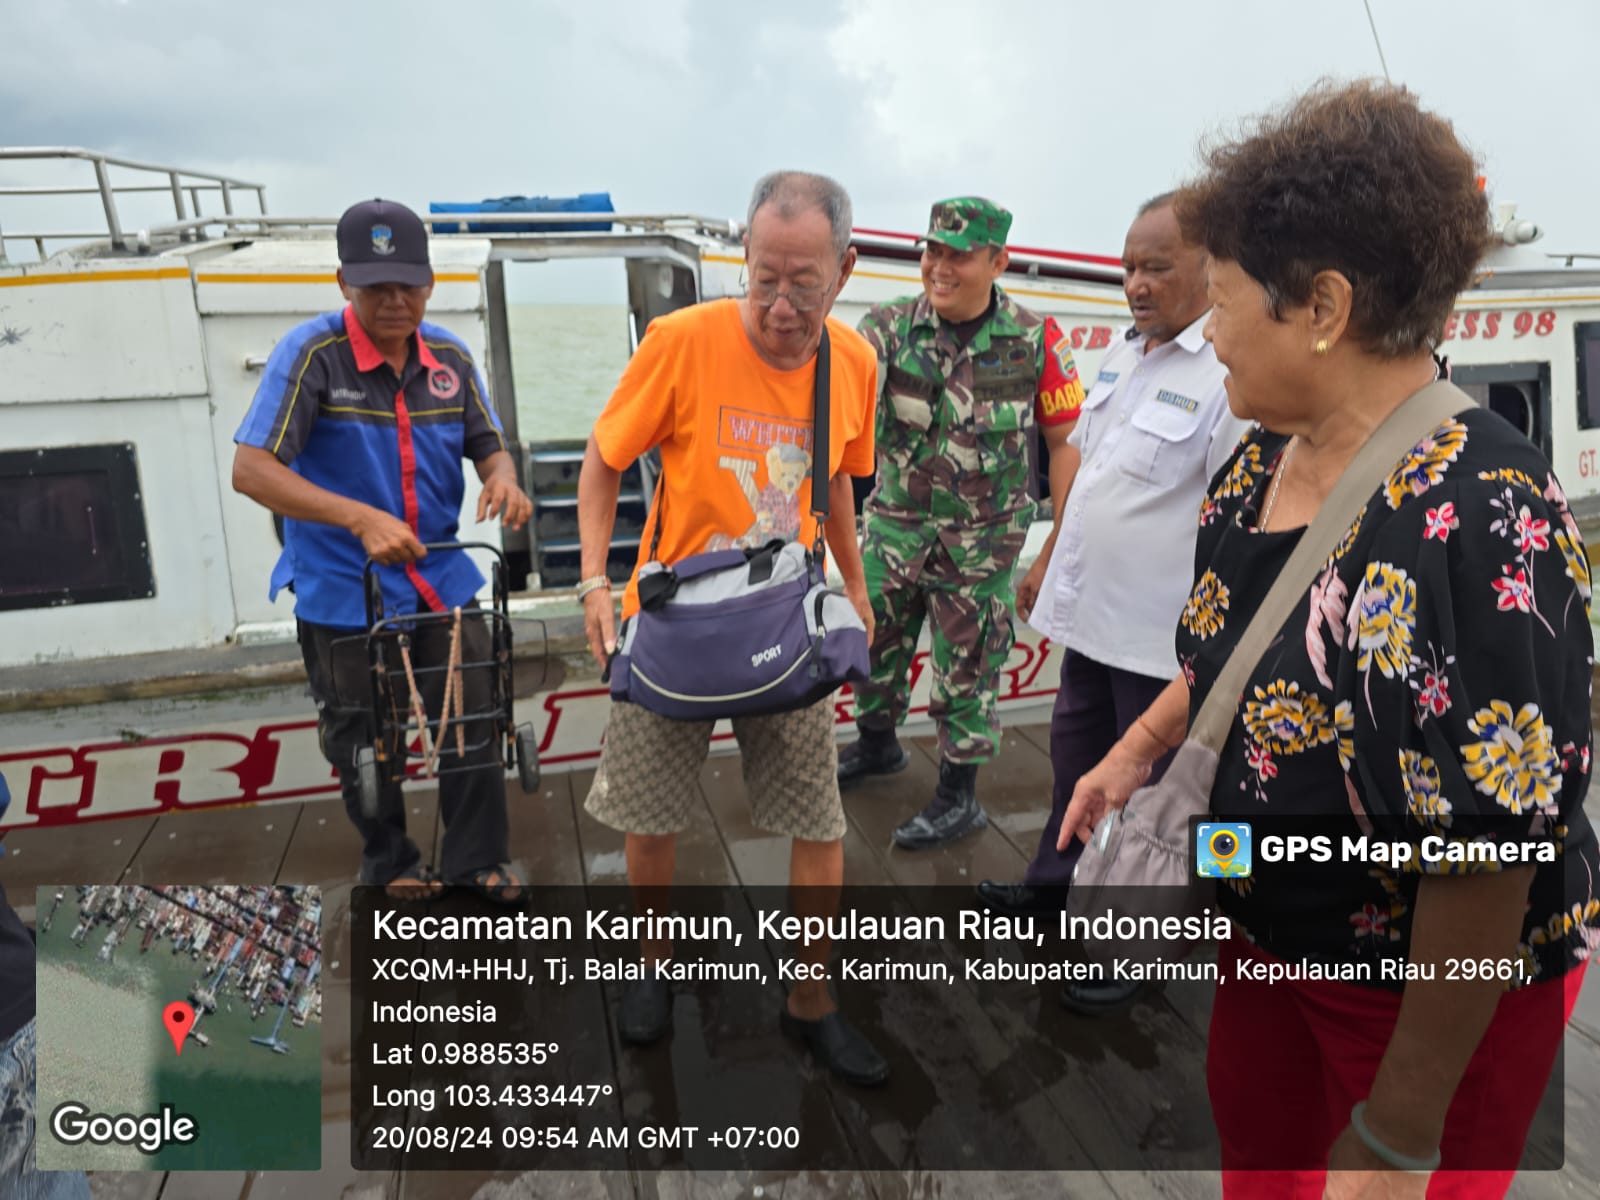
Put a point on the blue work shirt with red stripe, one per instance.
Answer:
(331, 408)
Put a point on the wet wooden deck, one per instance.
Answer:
(555, 842)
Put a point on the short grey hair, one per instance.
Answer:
(793, 192)
(1164, 200)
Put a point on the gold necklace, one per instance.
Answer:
(1277, 482)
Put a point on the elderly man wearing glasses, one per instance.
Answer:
(965, 377)
(726, 390)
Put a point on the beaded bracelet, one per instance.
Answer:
(593, 585)
(1401, 1162)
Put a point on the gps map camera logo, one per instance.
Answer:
(1222, 851)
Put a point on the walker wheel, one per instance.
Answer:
(527, 759)
(367, 782)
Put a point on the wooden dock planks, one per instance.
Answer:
(556, 842)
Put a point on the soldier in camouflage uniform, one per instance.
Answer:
(959, 376)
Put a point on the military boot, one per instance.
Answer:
(953, 812)
(876, 752)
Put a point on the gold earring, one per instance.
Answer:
(1322, 346)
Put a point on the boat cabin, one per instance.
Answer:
(130, 356)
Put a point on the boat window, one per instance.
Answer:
(1517, 392)
(72, 528)
(1587, 334)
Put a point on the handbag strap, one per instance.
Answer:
(820, 426)
(1401, 430)
(820, 390)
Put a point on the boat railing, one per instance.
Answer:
(190, 223)
(715, 226)
(624, 226)
(185, 186)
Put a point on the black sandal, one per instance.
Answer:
(416, 882)
(499, 884)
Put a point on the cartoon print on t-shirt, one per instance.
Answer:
(777, 505)
(753, 443)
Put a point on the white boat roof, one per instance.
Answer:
(281, 243)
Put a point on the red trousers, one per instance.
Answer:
(1286, 1062)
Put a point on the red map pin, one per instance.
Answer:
(178, 1017)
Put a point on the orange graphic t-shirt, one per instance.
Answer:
(735, 433)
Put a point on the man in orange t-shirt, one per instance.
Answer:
(725, 389)
(735, 434)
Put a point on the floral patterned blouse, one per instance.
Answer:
(1434, 680)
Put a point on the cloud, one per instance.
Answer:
(1072, 113)
(1068, 113)
(937, 92)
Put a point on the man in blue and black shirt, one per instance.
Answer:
(356, 437)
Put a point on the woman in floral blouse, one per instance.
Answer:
(1434, 681)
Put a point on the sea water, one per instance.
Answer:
(565, 363)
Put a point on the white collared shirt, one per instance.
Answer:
(1155, 428)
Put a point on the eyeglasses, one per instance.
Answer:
(801, 299)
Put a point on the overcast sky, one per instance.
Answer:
(1069, 113)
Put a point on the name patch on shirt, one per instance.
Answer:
(344, 393)
(1177, 401)
(1108, 376)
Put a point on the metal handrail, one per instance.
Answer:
(252, 226)
(721, 226)
(45, 189)
(190, 225)
(179, 181)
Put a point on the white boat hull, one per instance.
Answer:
(259, 746)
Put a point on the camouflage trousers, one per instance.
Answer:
(965, 599)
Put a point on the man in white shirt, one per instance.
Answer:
(1110, 583)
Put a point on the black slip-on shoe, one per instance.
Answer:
(1021, 897)
(1100, 999)
(645, 1014)
(839, 1046)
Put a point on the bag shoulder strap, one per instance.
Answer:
(820, 390)
(1401, 430)
(820, 393)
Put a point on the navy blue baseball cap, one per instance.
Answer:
(381, 241)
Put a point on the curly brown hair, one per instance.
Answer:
(1354, 178)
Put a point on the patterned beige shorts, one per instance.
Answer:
(649, 776)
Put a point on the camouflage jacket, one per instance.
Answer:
(954, 425)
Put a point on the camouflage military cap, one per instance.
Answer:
(968, 222)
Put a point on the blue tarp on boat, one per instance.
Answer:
(586, 202)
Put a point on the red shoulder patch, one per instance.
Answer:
(1060, 391)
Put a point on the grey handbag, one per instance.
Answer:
(1138, 861)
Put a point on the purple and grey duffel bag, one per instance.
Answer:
(743, 633)
(737, 633)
